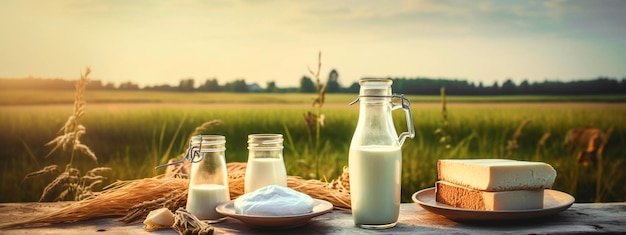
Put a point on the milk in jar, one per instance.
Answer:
(208, 181)
(203, 199)
(261, 172)
(265, 162)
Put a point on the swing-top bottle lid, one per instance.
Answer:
(375, 87)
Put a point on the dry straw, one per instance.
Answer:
(186, 223)
(113, 201)
(145, 195)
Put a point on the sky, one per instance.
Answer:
(156, 42)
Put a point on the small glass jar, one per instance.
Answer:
(265, 162)
(208, 180)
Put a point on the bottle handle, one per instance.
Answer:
(405, 104)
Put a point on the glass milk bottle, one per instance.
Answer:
(375, 158)
(265, 162)
(208, 180)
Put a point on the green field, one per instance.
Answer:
(38, 97)
(132, 132)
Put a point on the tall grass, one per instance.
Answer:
(134, 138)
(67, 182)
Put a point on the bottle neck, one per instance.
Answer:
(208, 143)
(375, 126)
(374, 111)
(265, 146)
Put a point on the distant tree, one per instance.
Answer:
(603, 85)
(236, 86)
(508, 87)
(495, 89)
(164, 87)
(186, 84)
(354, 88)
(109, 86)
(240, 86)
(332, 86)
(480, 90)
(94, 84)
(307, 85)
(210, 85)
(271, 87)
(548, 87)
(524, 87)
(128, 86)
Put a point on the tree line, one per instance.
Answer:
(413, 86)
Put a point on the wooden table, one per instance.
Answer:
(580, 218)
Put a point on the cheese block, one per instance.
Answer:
(159, 218)
(496, 174)
(467, 198)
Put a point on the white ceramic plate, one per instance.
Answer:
(320, 207)
(554, 202)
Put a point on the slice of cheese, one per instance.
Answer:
(496, 174)
(462, 197)
(159, 218)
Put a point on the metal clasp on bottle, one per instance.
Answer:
(192, 154)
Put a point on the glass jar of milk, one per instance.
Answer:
(208, 180)
(265, 162)
(375, 158)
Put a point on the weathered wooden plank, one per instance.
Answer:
(580, 218)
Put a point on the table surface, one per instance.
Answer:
(579, 218)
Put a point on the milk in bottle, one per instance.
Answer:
(375, 158)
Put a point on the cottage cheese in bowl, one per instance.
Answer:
(273, 200)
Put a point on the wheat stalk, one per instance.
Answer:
(51, 169)
(72, 130)
(512, 143)
(68, 183)
(205, 127)
(443, 132)
(541, 145)
(315, 121)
